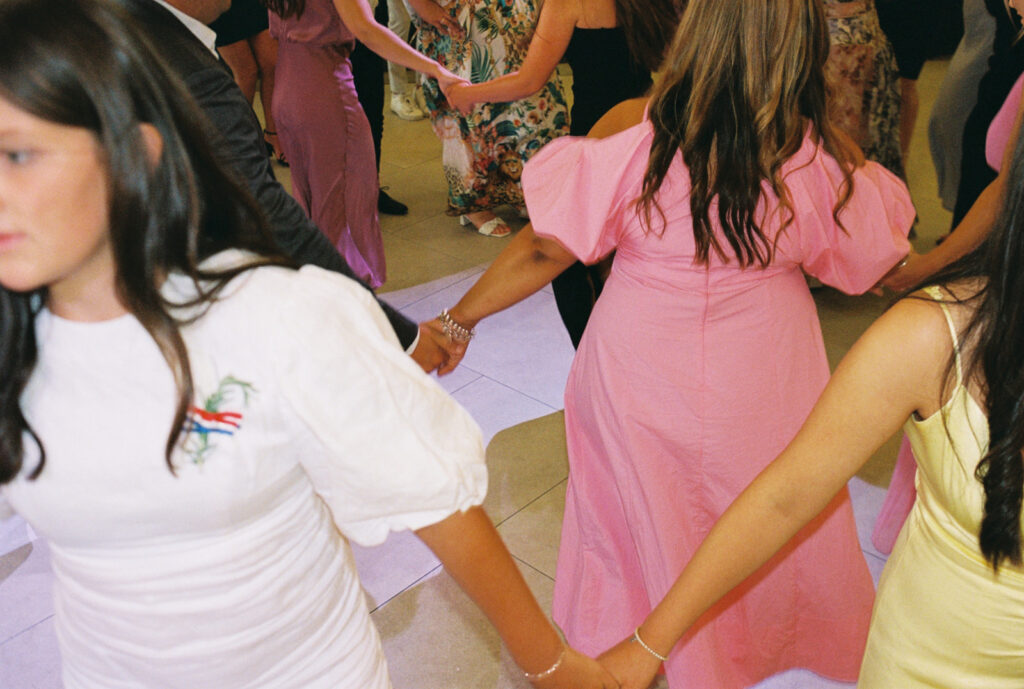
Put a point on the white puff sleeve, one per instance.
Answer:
(393, 450)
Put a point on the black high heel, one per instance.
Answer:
(272, 152)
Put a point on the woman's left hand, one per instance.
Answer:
(630, 664)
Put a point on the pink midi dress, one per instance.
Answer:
(690, 379)
(326, 136)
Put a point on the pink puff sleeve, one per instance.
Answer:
(875, 222)
(578, 190)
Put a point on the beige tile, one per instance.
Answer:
(409, 264)
(533, 533)
(525, 462)
(435, 638)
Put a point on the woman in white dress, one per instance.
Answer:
(194, 425)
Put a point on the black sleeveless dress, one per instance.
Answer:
(603, 75)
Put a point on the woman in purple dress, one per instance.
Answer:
(323, 129)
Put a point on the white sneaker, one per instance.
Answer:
(403, 105)
(421, 102)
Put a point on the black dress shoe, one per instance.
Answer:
(388, 206)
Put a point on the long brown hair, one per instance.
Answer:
(79, 63)
(742, 82)
(648, 25)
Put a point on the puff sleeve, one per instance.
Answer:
(875, 222)
(580, 191)
(389, 449)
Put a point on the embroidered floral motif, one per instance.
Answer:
(206, 423)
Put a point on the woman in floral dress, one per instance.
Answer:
(484, 152)
(864, 100)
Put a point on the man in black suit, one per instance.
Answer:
(177, 32)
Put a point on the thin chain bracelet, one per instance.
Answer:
(534, 676)
(453, 330)
(636, 638)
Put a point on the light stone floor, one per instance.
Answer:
(514, 373)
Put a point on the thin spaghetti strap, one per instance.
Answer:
(936, 293)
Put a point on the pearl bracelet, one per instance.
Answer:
(453, 330)
(534, 676)
(636, 638)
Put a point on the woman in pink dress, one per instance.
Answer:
(323, 129)
(704, 353)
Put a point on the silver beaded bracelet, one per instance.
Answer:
(534, 676)
(453, 330)
(636, 638)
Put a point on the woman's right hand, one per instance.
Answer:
(578, 671)
(446, 80)
(459, 97)
(634, 667)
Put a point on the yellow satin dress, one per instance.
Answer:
(942, 618)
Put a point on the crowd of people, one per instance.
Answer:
(152, 269)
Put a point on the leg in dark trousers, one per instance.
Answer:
(368, 73)
(368, 70)
(576, 291)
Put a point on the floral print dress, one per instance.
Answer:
(864, 98)
(483, 153)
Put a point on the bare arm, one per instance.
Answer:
(358, 17)
(528, 263)
(475, 556)
(896, 368)
(554, 29)
(969, 234)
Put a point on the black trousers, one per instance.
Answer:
(368, 69)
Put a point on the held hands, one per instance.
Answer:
(577, 671)
(628, 662)
(447, 81)
(907, 273)
(459, 97)
(446, 353)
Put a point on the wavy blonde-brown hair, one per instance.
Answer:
(743, 80)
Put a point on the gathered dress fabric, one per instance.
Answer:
(483, 153)
(864, 90)
(942, 617)
(326, 136)
(310, 426)
(689, 380)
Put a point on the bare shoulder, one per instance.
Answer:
(623, 116)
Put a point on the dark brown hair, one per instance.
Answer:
(649, 26)
(79, 63)
(742, 83)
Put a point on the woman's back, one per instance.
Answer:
(688, 380)
(604, 73)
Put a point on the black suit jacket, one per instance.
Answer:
(238, 142)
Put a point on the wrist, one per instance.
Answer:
(461, 318)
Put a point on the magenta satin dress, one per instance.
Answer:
(688, 381)
(325, 135)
